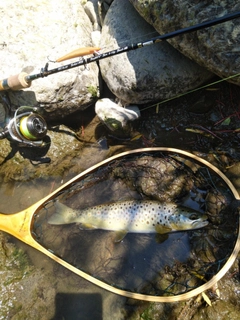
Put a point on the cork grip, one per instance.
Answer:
(15, 82)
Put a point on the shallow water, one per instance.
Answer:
(71, 295)
(71, 291)
(139, 263)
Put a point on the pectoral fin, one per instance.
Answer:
(162, 229)
(86, 226)
(119, 235)
(160, 238)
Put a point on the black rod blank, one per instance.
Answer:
(45, 72)
(23, 80)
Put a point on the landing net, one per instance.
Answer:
(150, 264)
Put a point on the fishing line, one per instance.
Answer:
(191, 91)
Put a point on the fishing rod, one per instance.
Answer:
(23, 80)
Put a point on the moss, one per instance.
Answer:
(21, 261)
(93, 91)
(113, 124)
(147, 313)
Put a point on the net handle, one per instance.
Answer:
(20, 224)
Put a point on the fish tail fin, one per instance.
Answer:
(62, 215)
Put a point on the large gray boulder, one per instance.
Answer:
(148, 74)
(216, 48)
(37, 30)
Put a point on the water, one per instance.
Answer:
(61, 287)
(144, 263)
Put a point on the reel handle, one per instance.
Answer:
(16, 82)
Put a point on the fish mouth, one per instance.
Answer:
(201, 222)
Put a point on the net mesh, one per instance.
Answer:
(153, 264)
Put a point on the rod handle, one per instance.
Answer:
(16, 82)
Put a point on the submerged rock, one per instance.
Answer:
(216, 48)
(25, 291)
(148, 74)
(41, 30)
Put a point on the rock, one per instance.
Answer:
(91, 9)
(115, 117)
(216, 48)
(103, 7)
(34, 32)
(148, 74)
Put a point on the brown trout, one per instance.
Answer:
(137, 216)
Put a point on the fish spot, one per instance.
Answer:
(147, 222)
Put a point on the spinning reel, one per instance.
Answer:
(26, 126)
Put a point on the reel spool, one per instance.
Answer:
(33, 127)
(27, 128)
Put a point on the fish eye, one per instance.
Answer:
(193, 216)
